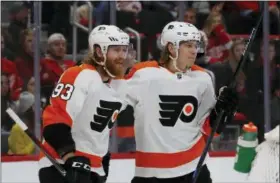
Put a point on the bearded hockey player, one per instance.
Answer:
(83, 109)
(174, 107)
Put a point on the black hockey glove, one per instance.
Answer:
(227, 101)
(106, 164)
(78, 169)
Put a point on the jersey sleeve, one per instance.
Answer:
(208, 101)
(132, 92)
(68, 97)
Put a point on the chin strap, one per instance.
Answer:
(174, 62)
(103, 64)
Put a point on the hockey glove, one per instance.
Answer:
(227, 101)
(106, 164)
(78, 169)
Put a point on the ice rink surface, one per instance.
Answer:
(121, 171)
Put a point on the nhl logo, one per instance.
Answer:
(179, 75)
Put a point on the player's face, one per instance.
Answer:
(116, 56)
(187, 53)
(58, 48)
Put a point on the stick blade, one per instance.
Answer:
(15, 117)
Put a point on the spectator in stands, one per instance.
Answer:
(219, 41)
(204, 8)
(6, 121)
(25, 60)
(15, 82)
(224, 71)
(190, 16)
(9, 68)
(216, 6)
(19, 142)
(18, 22)
(129, 6)
(5, 52)
(30, 86)
(54, 63)
(235, 55)
(248, 15)
(82, 14)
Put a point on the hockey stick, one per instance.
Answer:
(15, 117)
(232, 84)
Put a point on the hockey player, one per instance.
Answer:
(174, 108)
(83, 108)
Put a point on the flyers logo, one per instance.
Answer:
(105, 115)
(177, 107)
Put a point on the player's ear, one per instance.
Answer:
(171, 49)
(98, 51)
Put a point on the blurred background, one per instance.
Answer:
(39, 40)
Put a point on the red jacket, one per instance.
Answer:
(25, 67)
(15, 82)
(54, 70)
(219, 43)
(251, 5)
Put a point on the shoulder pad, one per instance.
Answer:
(141, 65)
(210, 73)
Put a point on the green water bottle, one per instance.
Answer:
(246, 145)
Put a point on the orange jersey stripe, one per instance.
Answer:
(95, 161)
(206, 128)
(125, 132)
(139, 66)
(56, 112)
(169, 160)
(197, 68)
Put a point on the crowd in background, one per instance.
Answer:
(218, 21)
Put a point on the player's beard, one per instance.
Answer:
(116, 67)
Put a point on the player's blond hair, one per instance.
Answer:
(91, 58)
(164, 58)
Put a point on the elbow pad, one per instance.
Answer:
(60, 138)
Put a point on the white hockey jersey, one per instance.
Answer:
(90, 107)
(171, 112)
